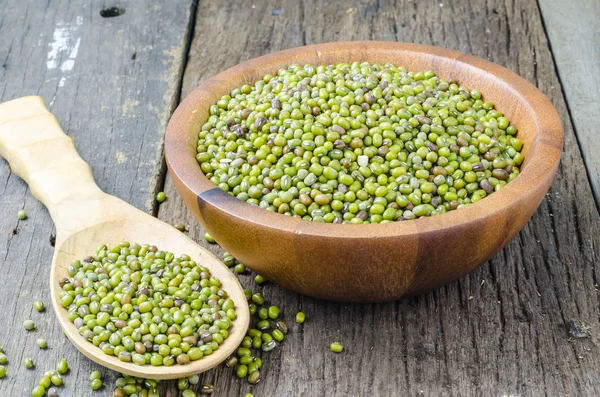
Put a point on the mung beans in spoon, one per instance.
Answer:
(147, 306)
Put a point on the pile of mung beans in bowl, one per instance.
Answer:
(357, 143)
(311, 163)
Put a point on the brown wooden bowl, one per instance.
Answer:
(365, 263)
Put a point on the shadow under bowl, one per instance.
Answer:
(381, 262)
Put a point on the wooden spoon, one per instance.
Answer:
(38, 151)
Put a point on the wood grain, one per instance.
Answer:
(499, 331)
(577, 57)
(458, 341)
(112, 82)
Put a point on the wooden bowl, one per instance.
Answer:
(366, 263)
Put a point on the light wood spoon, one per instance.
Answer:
(38, 151)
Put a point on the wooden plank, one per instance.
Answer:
(112, 82)
(499, 331)
(572, 28)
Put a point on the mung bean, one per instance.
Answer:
(96, 384)
(38, 391)
(29, 325)
(28, 363)
(336, 347)
(39, 306)
(62, 367)
(161, 197)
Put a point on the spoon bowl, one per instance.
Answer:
(39, 152)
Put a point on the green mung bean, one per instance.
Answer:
(209, 238)
(38, 391)
(258, 298)
(22, 215)
(241, 371)
(277, 335)
(336, 347)
(252, 367)
(56, 380)
(62, 367)
(161, 197)
(29, 325)
(95, 375)
(246, 360)
(46, 381)
(42, 343)
(263, 313)
(39, 306)
(28, 363)
(183, 384)
(273, 312)
(229, 261)
(240, 268)
(259, 279)
(96, 384)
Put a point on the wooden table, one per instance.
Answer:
(113, 83)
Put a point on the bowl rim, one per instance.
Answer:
(541, 164)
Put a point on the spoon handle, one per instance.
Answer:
(38, 151)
